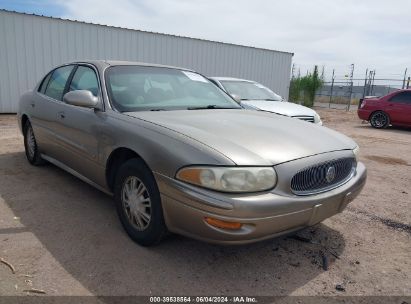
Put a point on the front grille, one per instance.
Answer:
(305, 118)
(324, 176)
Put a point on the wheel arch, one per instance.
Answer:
(116, 158)
(379, 110)
(24, 120)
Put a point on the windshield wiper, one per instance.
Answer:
(157, 109)
(208, 107)
(265, 99)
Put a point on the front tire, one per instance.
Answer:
(379, 120)
(31, 147)
(138, 203)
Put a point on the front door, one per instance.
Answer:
(81, 127)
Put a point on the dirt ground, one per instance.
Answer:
(62, 236)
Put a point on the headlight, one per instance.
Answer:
(317, 119)
(230, 179)
(356, 151)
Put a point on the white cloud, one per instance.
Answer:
(334, 33)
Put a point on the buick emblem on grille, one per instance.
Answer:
(323, 176)
(330, 175)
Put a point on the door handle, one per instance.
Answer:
(32, 104)
(61, 115)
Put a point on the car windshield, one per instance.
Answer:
(145, 88)
(249, 90)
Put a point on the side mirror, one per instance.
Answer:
(81, 98)
(236, 97)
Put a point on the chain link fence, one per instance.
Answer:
(345, 95)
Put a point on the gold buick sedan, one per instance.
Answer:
(179, 154)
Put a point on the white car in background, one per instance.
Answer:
(257, 96)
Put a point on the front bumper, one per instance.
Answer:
(263, 215)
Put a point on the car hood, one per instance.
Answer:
(250, 137)
(281, 107)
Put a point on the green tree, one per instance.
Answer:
(308, 85)
(295, 89)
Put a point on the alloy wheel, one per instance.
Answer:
(379, 120)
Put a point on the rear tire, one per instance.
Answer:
(31, 147)
(138, 203)
(379, 120)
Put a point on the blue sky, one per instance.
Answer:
(373, 34)
(38, 7)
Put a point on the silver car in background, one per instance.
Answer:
(255, 95)
(178, 154)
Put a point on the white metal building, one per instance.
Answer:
(31, 45)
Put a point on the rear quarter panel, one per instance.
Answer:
(370, 106)
(24, 108)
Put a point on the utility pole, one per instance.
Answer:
(351, 86)
(332, 87)
(365, 84)
(372, 83)
(369, 83)
(405, 76)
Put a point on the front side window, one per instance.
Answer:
(141, 88)
(403, 97)
(249, 90)
(57, 83)
(84, 79)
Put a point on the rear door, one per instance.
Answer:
(46, 106)
(399, 108)
(80, 128)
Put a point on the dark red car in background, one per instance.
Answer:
(394, 109)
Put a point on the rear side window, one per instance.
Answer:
(57, 83)
(403, 97)
(84, 79)
(44, 83)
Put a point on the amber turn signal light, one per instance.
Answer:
(223, 224)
